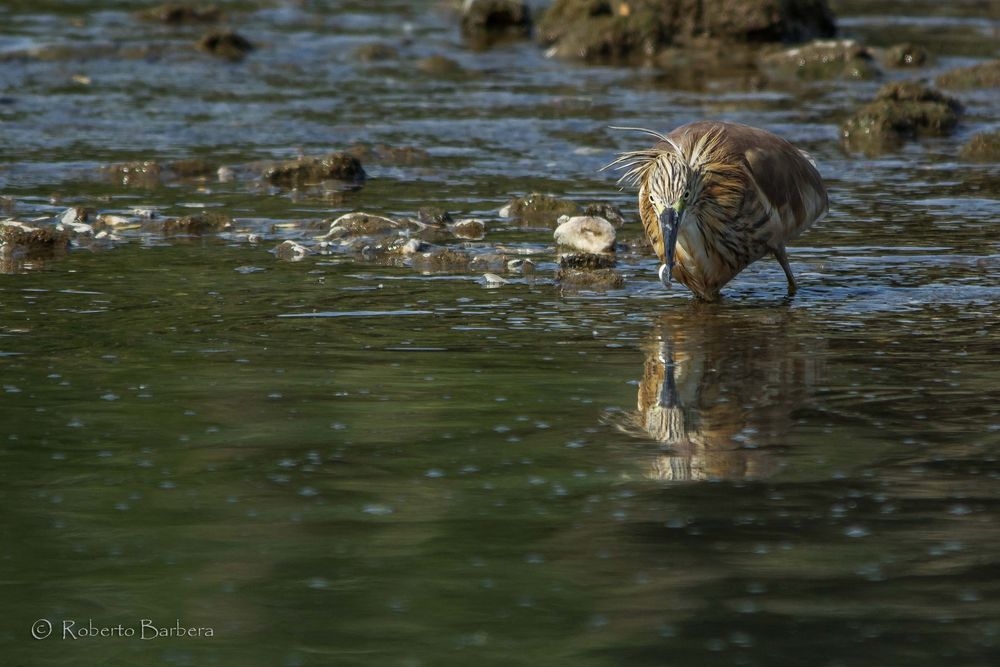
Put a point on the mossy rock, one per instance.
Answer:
(486, 21)
(193, 168)
(375, 52)
(199, 224)
(587, 261)
(600, 30)
(823, 59)
(899, 56)
(983, 147)
(606, 210)
(983, 75)
(441, 259)
(901, 111)
(141, 173)
(600, 279)
(537, 207)
(225, 44)
(434, 215)
(360, 224)
(173, 13)
(438, 65)
(386, 154)
(314, 170)
(18, 238)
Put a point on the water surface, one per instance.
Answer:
(340, 461)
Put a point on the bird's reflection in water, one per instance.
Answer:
(718, 391)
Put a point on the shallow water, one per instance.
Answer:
(338, 461)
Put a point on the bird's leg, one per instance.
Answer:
(779, 254)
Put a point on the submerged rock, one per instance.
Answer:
(609, 212)
(359, 223)
(75, 214)
(601, 279)
(625, 29)
(823, 59)
(586, 233)
(315, 170)
(587, 261)
(486, 21)
(442, 259)
(193, 168)
(902, 110)
(472, 229)
(438, 65)
(174, 13)
(225, 44)
(537, 207)
(983, 147)
(904, 55)
(198, 224)
(374, 52)
(143, 174)
(983, 75)
(290, 251)
(434, 215)
(397, 155)
(18, 238)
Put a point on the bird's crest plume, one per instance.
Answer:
(638, 163)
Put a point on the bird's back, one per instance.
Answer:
(785, 175)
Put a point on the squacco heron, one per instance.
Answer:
(714, 197)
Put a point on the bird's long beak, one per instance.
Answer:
(669, 224)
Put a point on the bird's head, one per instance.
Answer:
(671, 176)
(672, 188)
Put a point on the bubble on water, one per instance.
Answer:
(109, 397)
(75, 422)
(857, 531)
(667, 631)
(534, 559)
(377, 510)
(959, 509)
(319, 583)
(11, 389)
(308, 492)
(434, 473)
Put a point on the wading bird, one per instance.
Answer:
(714, 197)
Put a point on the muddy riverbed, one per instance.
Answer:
(355, 448)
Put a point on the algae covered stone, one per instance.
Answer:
(537, 207)
(983, 147)
(201, 223)
(225, 44)
(625, 29)
(485, 21)
(900, 111)
(314, 170)
(823, 59)
(983, 75)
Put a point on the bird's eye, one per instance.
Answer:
(687, 193)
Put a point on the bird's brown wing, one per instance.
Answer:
(783, 174)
